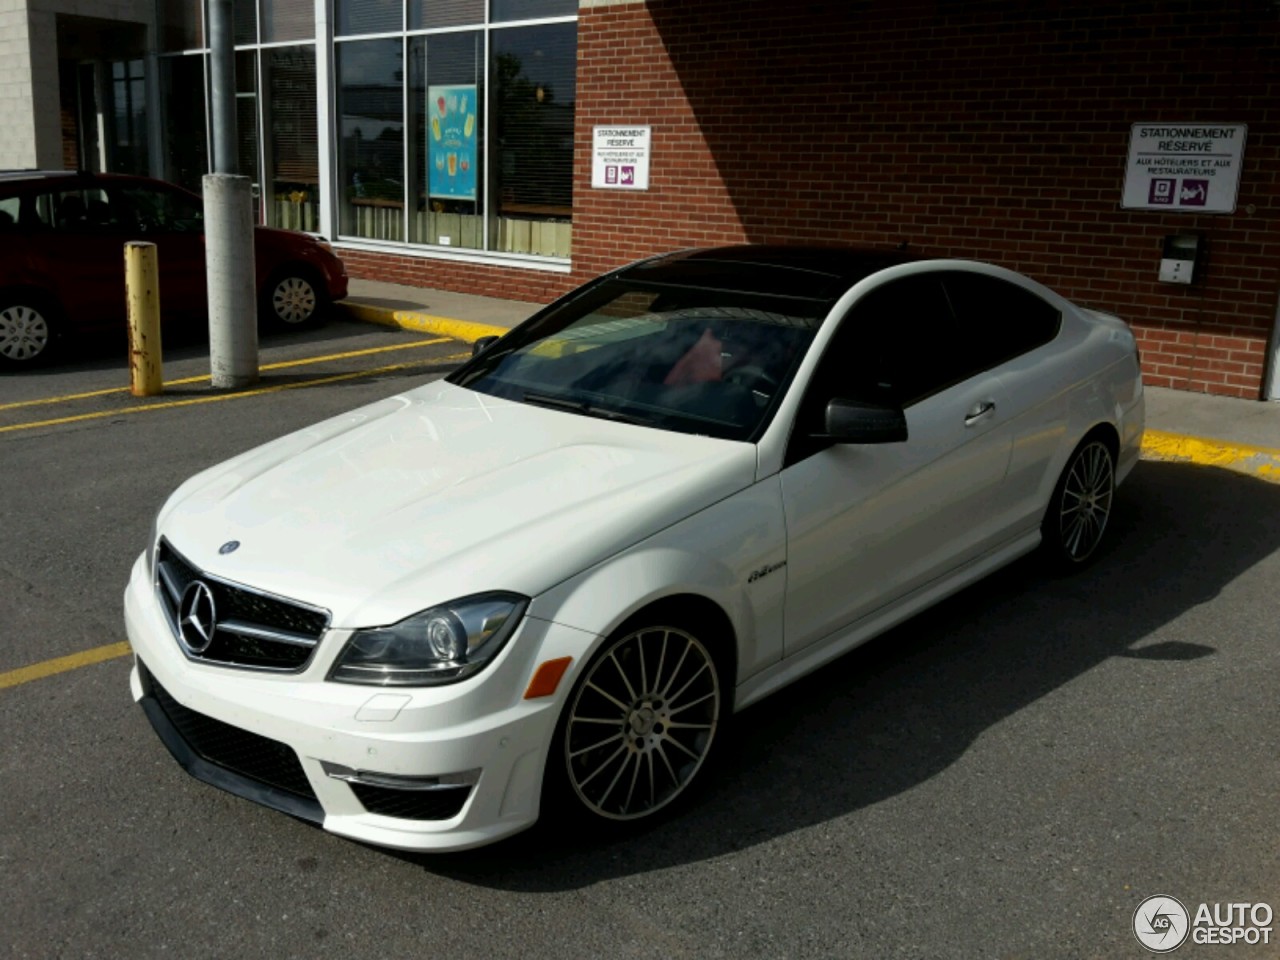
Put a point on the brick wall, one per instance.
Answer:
(994, 130)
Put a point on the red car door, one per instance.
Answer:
(174, 221)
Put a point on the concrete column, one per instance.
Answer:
(17, 103)
(44, 89)
(233, 302)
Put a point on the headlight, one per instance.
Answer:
(441, 645)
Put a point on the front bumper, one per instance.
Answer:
(443, 768)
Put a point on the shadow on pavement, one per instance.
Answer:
(901, 709)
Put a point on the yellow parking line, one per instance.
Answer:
(62, 664)
(270, 366)
(191, 401)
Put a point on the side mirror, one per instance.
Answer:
(483, 344)
(851, 421)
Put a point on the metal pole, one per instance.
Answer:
(222, 85)
(233, 314)
(228, 217)
(142, 296)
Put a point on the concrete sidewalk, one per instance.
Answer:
(1240, 435)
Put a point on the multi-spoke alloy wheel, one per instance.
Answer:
(641, 722)
(294, 300)
(25, 333)
(1082, 503)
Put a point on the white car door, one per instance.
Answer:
(1020, 334)
(867, 524)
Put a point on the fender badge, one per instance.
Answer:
(231, 546)
(765, 571)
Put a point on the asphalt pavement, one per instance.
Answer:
(1009, 774)
(1234, 434)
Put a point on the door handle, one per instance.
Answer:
(981, 411)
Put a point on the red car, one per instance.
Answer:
(62, 237)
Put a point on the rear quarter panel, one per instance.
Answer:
(274, 249)
(1086, 376)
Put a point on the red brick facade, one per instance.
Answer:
(992, 130)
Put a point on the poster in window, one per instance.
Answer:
(451, 141)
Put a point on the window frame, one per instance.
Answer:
(487, 251)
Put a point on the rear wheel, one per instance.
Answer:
(293, 298)
(28, 332)
(1081, 505)
(639, 725)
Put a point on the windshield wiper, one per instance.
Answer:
(578, 406)
(555, 403)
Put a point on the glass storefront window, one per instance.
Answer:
(244, 17)
(368, 16)
(446, 144)
(247, 123)
(288, 20)
(533, 77)
(370, 122)
(458, 134)
(505, 10)
(127, 133)
(185, 140)
(425, 14)
(291, 195)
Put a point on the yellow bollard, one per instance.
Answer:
(142, 292)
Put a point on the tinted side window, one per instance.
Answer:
(163, 211)
(78, 211)
(10, 211)
(1000, 320)
(899, 344)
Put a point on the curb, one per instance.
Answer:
(465, 330)
(1260, 462)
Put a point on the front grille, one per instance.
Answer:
(440, 804)
(254, 629)
(248, 754)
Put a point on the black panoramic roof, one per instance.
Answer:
(804, 273)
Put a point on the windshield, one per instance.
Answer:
(696, 361)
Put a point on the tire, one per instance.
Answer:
(29, 331)
(293, 299)
(1080, 507)
(637, 728)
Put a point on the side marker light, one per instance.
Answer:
(547, 677)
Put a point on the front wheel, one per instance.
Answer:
(1080, 507)
(640, 723)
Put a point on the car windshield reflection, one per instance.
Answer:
(693, 361)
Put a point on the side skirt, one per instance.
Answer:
(841, 642)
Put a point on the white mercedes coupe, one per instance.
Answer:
(546, 582)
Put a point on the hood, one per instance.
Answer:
(441, 493)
